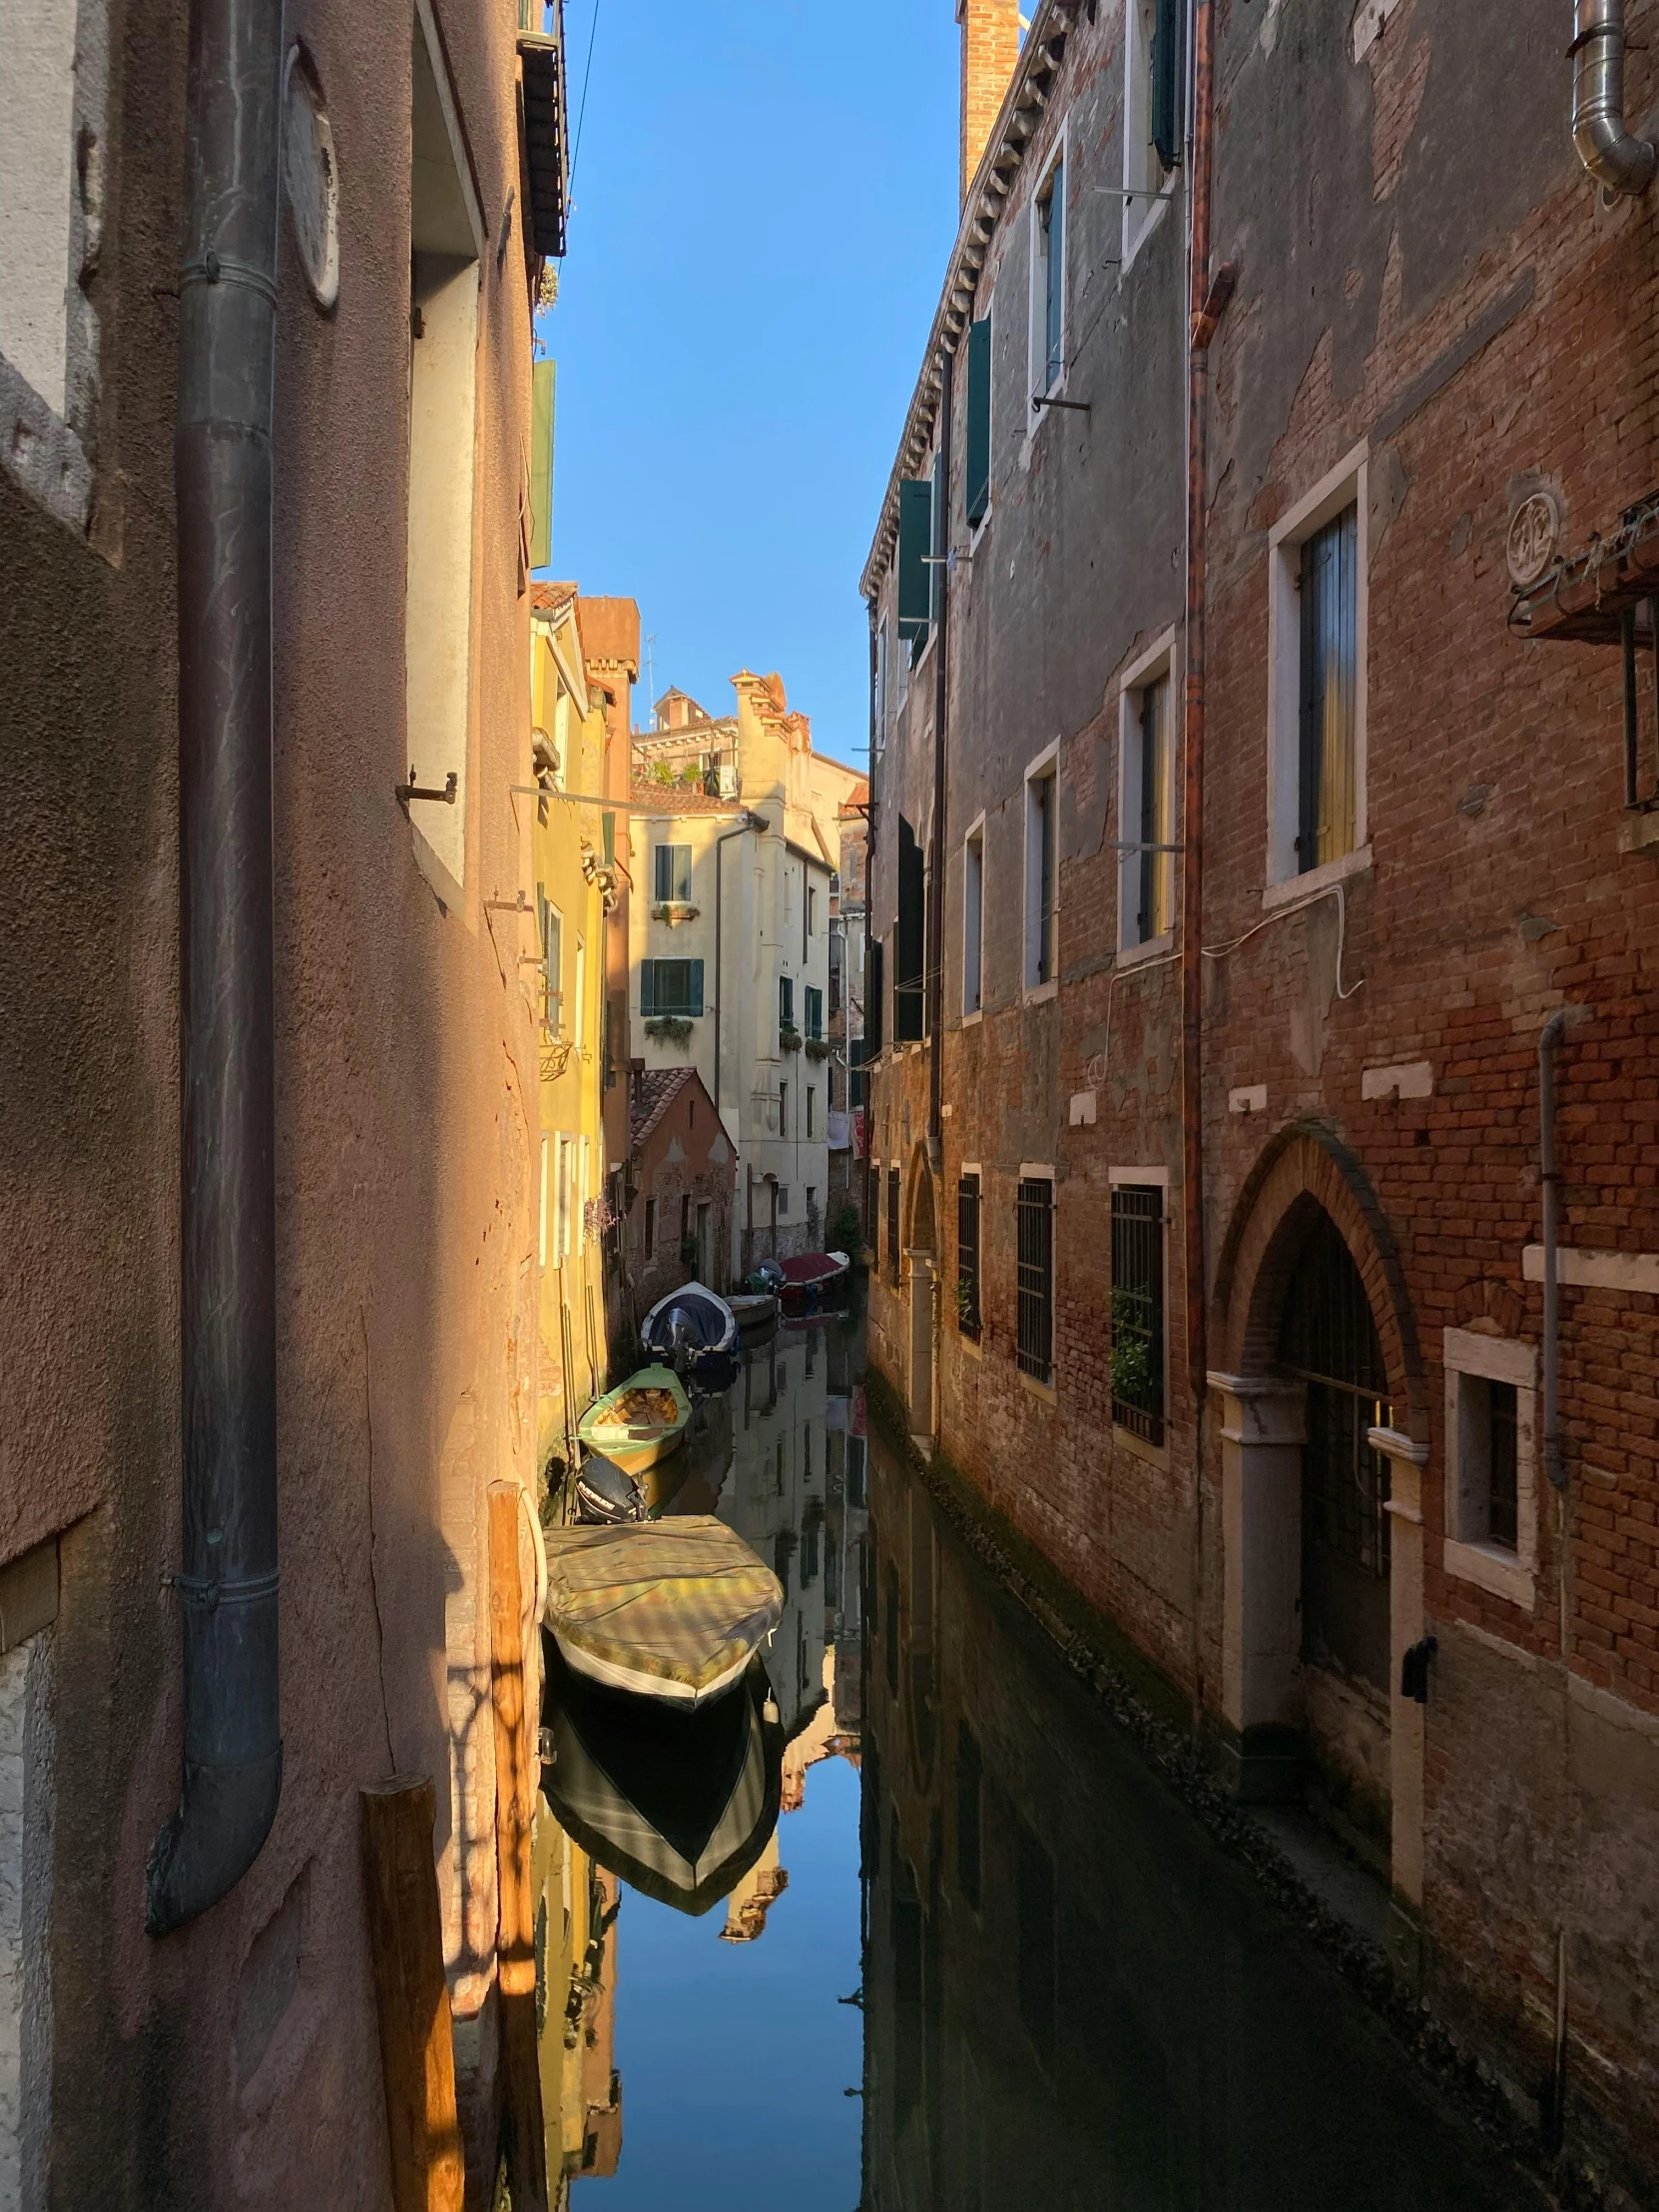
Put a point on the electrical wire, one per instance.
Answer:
(582, 110)
(1339, 892)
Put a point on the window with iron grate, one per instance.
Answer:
(1138, 1311)
(967, 1256)
(1034, 1208)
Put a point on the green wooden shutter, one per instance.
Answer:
(940, 539)
(1168, 74)
(694, 994)
(541, 464)
(915, 541)
(977, 475)
(648, 986)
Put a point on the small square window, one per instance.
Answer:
(1492, 1491)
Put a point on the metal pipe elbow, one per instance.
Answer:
(1622, 164)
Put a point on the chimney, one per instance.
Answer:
(990, 53)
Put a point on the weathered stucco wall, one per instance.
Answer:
(238, 2058)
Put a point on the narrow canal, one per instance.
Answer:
(983, 1957)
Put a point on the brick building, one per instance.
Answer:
(1208, 1105)
(683, 1182)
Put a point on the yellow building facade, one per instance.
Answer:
(576, 881)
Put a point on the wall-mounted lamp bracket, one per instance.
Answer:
(450, 793)
(1072, 406)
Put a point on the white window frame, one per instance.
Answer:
(553, 966)
(1037, 343)
(1470, 1557)
(1347, 485)
(579, 1024)
(1157, 661)
(977, 530)
(973, 922)
(1141, 215)
(1045, 768)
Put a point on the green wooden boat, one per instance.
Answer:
(639, 1422)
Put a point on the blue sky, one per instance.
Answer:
(765, 197)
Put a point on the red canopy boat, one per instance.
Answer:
(812, 1280)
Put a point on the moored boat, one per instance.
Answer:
(694, 1332)
(812, 1280)
(640, 1422)
(672, 1610)
(753, 1309)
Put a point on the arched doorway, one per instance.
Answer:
(921, 1250)
(1329, 1343)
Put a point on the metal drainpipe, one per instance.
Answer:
(935, 917)
(1554, 1463)
(1192, 830)
(747, 822)
(1621, 163)
(233, 1747)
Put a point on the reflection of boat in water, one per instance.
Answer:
(754, 1310)
(640, 1422)
(679, 1803)
(694, 1333)
(667, 1610)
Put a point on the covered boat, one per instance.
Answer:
(672, 1610)
(694, 1331)
(680, 1805)
(638, 1424)
(813, 1280)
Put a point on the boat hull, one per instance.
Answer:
(633, 1445)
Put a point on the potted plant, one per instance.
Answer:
(673, 1029)
(789, 1039)
(819, 1048)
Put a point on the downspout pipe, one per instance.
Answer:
(1554, 1459)
(222, 468)
(941, 707)
(1622, 164)
(1203, 313)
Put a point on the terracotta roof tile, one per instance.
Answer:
(653, 1093)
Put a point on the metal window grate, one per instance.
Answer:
(1330, 1340)
(1503, 1484)
(892, 1222)
(1138, 1309)
(967, 1255)
(1035, 1217)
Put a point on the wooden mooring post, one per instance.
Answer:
(516, 1942)
(406, 1940)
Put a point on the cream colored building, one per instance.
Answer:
(735, 844)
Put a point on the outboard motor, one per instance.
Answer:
(606, 1495)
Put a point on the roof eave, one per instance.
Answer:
(1016, 125)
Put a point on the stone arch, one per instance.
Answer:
(920, 1213)
(1304, 1168)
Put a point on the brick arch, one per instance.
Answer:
(1304, 1168)
(1484, 1298)
(921, 1232)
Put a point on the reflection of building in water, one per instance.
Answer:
(777, 1499)
(581, 2090)
(1072, 1998)
(750, 1902)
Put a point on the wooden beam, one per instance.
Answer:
(406, 1941)
(515, 1941)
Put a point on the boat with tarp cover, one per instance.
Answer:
(672, 1610)
(694, 1331)
(640, 1422)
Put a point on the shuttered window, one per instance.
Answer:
(908, 992)
(915, 545)
(1138, 1309)
(977, 460)
(967, 1255)
(815, 1012)
(875, 1003)
(672, 988)
(1035, 1228)
(1169, 80)
(1327, 779)
(1051, 241)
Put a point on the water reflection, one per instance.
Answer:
(1072, 1996)
(981, 1957)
